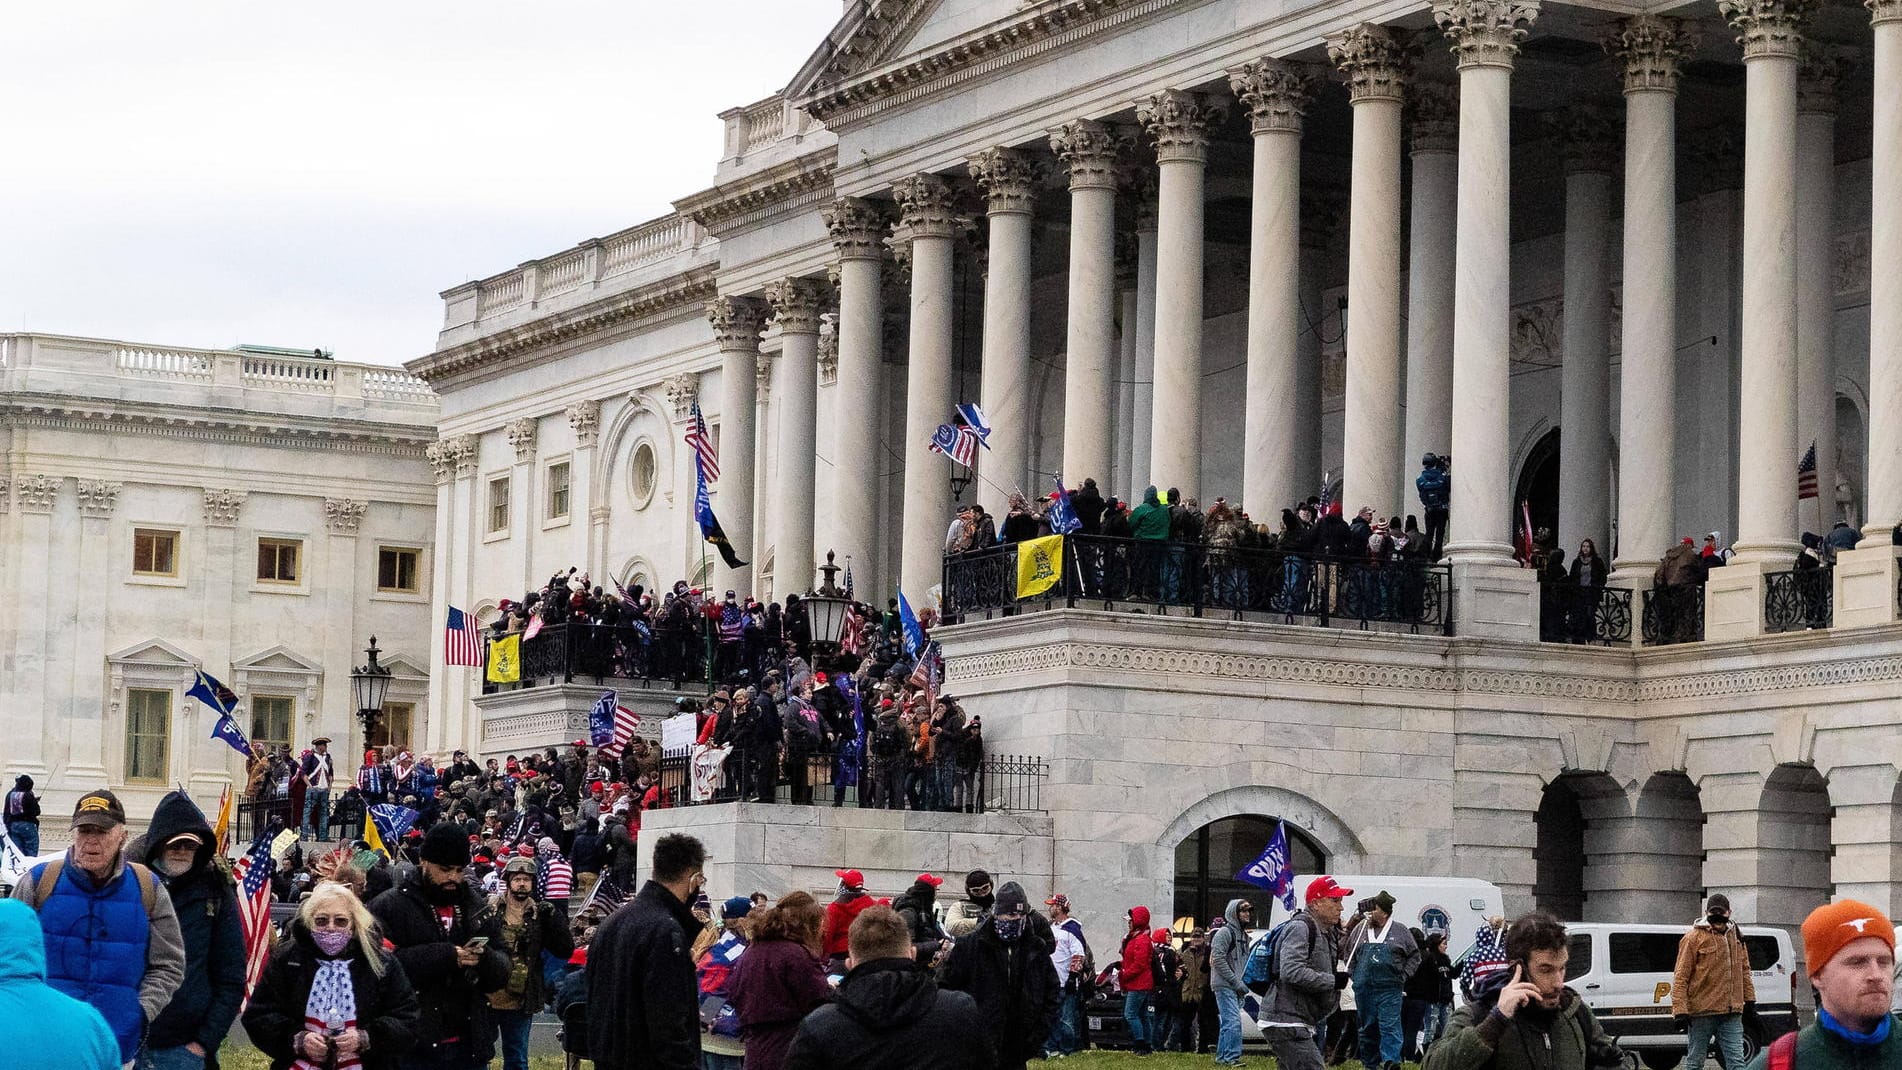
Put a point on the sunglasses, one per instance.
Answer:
(330, 921)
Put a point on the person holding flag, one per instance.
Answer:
(1305, 991)
(179, 846)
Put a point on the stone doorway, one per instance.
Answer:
(1207, 861)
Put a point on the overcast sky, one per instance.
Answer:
(210, 172)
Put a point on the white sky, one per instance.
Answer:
(209, 172)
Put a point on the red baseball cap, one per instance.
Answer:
(852, 877)
(935, 882)
(1325, 888)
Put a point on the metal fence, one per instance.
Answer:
(1574, 613)
(560, 652)
(1798, 600)
(1674, 613)
(996, 783)
(1200, 580)
(340, 819)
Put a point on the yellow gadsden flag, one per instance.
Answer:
(1039, 565)
(505, 660)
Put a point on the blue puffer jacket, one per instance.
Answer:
(47, 1030)
(95, 939)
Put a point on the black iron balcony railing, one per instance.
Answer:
(994, 783)
(561, 652)
(1674, 613)
(1574, 613)
(1144, 575)
(1798, 600)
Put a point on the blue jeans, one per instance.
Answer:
(316, 804)
(1438, 1017)
(1063, 1028)
(1136, 1013)
(514, 1026)
(1379, 1024)
(170, 1059)
(1727, 1028)
(25, 836)
(1228, 1036)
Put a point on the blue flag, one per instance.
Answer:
(709, 524)
(209, 691)
(227, 729)
(392, 821)
(601, 719)
(908, 622)
(1272, 870)
(1063, 519)
(974, 418)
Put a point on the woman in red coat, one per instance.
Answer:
(839, 915)
(1138, 979)
(779, 980)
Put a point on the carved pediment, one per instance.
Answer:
(278, 659)
(153, 652)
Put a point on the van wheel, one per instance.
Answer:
(1661, 1058)
(1753, 1043)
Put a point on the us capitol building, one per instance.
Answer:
(1625, 263)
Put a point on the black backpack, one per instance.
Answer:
(888, 741)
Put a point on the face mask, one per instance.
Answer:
(332, 941)
(1008, 928)
(1718, 920)
(164, 865)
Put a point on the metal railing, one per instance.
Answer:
(561, 652)
(1798, 600)
(1574, 613)
(995, 783)
(341, 819)
(1144, 575)
(1674, 613)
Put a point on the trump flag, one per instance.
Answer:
(1272, 870)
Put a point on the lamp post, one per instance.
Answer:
(827, 607)
(369, 683)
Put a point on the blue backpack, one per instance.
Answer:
(1261, 971)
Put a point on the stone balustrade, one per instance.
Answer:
(583, 268)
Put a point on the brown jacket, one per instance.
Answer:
(1713, 973)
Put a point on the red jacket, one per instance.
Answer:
(1137, 949)
(839, 917)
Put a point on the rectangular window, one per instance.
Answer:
(1644, 952)
(393, 726)
(278, 560)
(558, 490)
(148, 731)
(154, 553)
(271, 720)
(499, 504)
(396, 569)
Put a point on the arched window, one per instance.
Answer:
(1206, 864)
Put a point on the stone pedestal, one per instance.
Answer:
(1865, 587)
(1733, 599)
(1495, 601)
(1639, 584)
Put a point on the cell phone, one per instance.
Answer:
(477, 943)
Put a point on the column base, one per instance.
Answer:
(1864, 586)
(1733, 599)
(1495, 601)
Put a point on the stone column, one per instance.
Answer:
(1179, 123)
(1088, 152)
(1770, 32)
(27, 549)
(1122, 444)
(87, 724)
(1585, 374)
(584, 421)
(928, 221)
(796, 305)
(1375, 60)
(1485, 36)
(1321, 226)
(736, 325)
(525, 506)
(1816, 278)
(1009, 184)
(1144, 391)
(1276, 95)
(1885, 282)
(1652, 47)
(1864, 857)
(1433, 112)
(858, 233)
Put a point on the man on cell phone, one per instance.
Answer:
(445, 936)
(1525, 1018)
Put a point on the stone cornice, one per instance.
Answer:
(69, 412)
(688, 290)
(759, 198)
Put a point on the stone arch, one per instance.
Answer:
(618, 437)
(638, 569)
(1670, 862)
(1793, 846)
(1206, 843)
(1582, 824)
(1536, 479)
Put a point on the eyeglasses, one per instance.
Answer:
(330, 921)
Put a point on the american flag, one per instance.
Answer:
(956, 441)
(848, 578)
(702, 444)
(1806, 474)
(1326, 503)
(611, 725)
(253, 874)
(461, 639)
(852, 636)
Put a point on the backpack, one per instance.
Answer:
(888, 740)
(1262, 969)
(49, 879)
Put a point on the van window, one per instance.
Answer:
(1644, 952)
(1579, 947)
(1763, 952)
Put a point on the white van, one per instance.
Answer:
(1624, 972)
(1455, 906)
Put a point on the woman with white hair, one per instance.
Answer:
(331, 998)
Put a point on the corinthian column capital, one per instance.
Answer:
(1881, 11)
(1433, 117)
(1485, 33)
(857, 227)
(1375, 59)
(736, 321)
(1768, 28)
(1654, 48)
(797, 303)
(1179, 122)
(1088, 151)
(927, 207)
(1821, 71)
(1588, 139)
(1008, 178)
(1275, 92)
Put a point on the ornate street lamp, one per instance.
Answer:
(369, 683)
(826, 608)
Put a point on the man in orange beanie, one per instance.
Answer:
(1850, 953)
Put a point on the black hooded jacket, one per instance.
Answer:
(890, 1013)
(450, 997)
(206, 1004)
(641, 966)
(386, 1004)
(915, 907)
(1011, 980)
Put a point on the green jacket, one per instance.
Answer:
(1819, 1049)
(1150, 520)
(1566, 1039)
